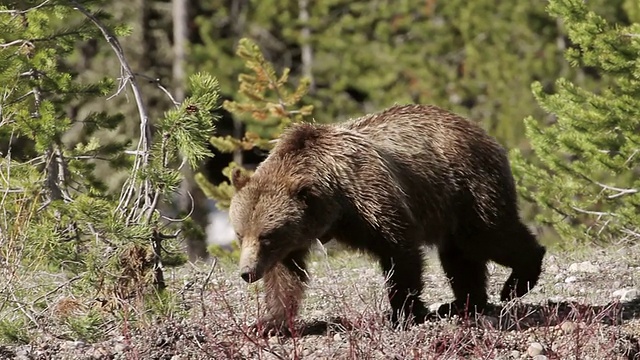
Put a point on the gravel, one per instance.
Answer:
(586, 305)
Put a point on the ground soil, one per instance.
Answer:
(586, 306)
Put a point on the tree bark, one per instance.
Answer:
(180, 35)
(305, 37)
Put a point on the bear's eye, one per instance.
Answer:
(265, 240)
(268, 237)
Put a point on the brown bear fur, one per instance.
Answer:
(386, 183)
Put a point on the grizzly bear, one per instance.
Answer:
(387, 184)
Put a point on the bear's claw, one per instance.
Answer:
(458, 308)
(270, 327)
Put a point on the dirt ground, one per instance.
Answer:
(586, 306)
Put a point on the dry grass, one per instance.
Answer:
(342, 317)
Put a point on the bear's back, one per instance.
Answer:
(420, 128)
(445, 158)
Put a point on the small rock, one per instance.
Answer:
(553, 269)
(337, 337)
(585, 266)
(626, 294)
(568, 327)
(70, 345)
(618, 293)
(306, 352)
(570, 279)
(515, 354)
(97, 353)
(120, 348)
(631, 294)
(176, 357)
(539, 357)
(535, 349)
(23, 353)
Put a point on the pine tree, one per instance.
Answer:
(266, 104)
(61, 225)
(585, 173)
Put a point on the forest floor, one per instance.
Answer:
(586, 306)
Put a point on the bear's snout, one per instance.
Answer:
(251, 266)
(249, 275)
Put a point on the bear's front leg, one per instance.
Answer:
(403, 272)
(284, 288)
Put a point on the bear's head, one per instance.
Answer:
(275, 212)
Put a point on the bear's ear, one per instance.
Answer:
(299, 137)
(304, 193)
(239, 179)
(302, 190)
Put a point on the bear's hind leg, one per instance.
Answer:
(284, 288)
(520, 251)
(403, 273)
(467, 277)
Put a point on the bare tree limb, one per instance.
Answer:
(15, 42)
(162, 88)
(142, 157)
(20, 12)
(630, 232)
(203, 309)
(590, 212)
(621, 191)
(186, 216)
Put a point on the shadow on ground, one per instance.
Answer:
(512, 316)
